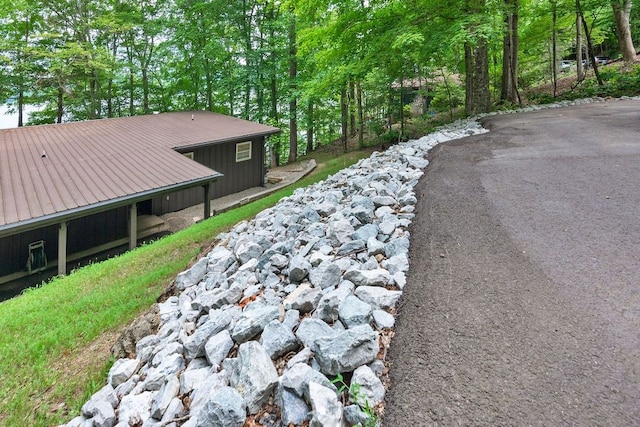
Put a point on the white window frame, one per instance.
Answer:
(243, 151)
(188, 155)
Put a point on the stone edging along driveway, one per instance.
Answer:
(304, 292)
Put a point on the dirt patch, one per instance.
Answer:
(74, 367)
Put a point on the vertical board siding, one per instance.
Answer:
(238, 176)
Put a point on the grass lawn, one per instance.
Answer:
(55, 339)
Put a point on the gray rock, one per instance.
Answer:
(383, 201)
(193, 275)
(121, 370)
(293, 408)
(278, 340)
(291, 319)
(252, 322)
(217, 348)
(216, 280)
(351, 246)
(220, 259)
(374, 247)
(377, 296)
(135, 409)
(253, 375)
(194, 344)
(310, 330)
(397, 247)
(325, 275)
(304, 299)
(191, 378)
(104, 415)
(145, 347)
(329, 304)
(325, 407)
(248, 251)
(382, 319)
(346, 350)
(170, 365)
(341, 231)
(299, 268)
(225, 407)
(365, 232)
(167, 393)
(167, 350)
(206, 388)
(386, 227)
(279, 261)
(378, 277)
(397, 263)
(302, 356)
(353, 415)
(105, 394)
(363, 214)
(127, 386)
(173, 411)
(370, 390)
(353, 312)
(298, 377)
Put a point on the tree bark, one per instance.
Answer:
(293, 102)
(510, 54)
(591, 55)
(352, 109)
(344, 115)
(310, 126)
(621, 13)
(579, 64)
(60, 109)
(360, 115)
(554, 44)
(477, 95)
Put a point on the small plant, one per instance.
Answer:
(355, 395)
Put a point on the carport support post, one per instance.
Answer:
(62, 249)
(207, 200)
(133, 226)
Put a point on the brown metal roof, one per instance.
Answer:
(52, 170)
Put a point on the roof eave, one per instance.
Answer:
(71, 214)
(241, 138)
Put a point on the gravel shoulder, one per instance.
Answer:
(521, 304)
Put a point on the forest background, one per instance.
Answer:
(320, 70)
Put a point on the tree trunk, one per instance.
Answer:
(344, 115)
(621, 13)
(579, 64)
(360, 116)
(554, 47)
(60, 111)
(591, 54)
(477, 95)
(20, 108)
(310, 126)
(510, 54)
(293, 102)
(352, 109)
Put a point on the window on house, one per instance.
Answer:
(188, 155)
(243, 151)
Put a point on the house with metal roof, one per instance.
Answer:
(67, 190)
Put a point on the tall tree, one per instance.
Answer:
(621, 13)
(293, 96)
(476, 59)
(509, 90)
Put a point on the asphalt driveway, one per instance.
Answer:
(522, 305)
